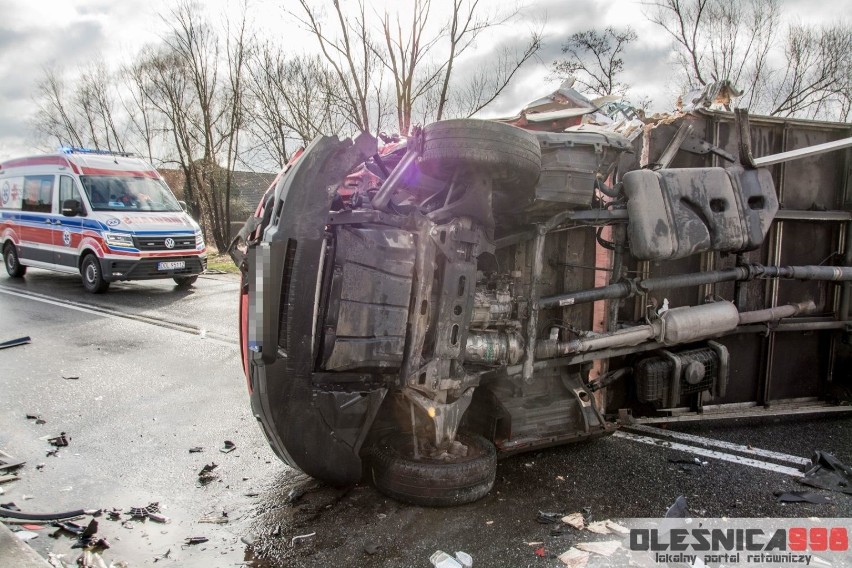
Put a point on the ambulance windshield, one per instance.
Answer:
(126, 193)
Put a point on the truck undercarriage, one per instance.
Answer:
(478, 289)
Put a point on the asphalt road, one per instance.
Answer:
(158, 373)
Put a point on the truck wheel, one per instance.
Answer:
(13, 265)
(434, 482)
(185, 281)
(93, 278)
(509, 153)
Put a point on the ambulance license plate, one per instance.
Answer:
(173, 265)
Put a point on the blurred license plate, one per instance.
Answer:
(173, 265)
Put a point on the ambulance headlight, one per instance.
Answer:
(118, 240)
(199, 240)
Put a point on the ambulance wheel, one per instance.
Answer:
(185, 281)
(13, 265)
(93, 278)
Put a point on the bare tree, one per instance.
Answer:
(595, 59)
(53, 118)
(419, 56)
(737, 41)
(291, 101)
(720, 39)
(815, 80)
(202, 109)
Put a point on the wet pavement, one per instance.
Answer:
(147, 392)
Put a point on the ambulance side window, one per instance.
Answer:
(68, 190)
(38, 194)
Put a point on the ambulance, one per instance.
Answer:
(106, 216)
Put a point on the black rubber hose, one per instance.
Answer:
(42, 516)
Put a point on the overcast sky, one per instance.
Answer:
(70, 33)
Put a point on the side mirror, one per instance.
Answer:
(72, 208)
(183, 205)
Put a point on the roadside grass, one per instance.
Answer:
(219, 263)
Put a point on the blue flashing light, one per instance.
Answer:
(73, 150)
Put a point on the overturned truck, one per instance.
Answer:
(410, 313)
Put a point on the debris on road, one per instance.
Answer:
(464, 558)
(26, 535)
(546, 518)
(158, 518)
(604, 548)
(89, 538)
(301, 538)
(441, 559)
(15, 342)
(8, 478)
(541, 552)
(59, 441)
(143, 512)
(52, 453)
(6, 510)
(828, 472)
(801, 497)
(38, 419)
(575, 520)
(678, 510)
(693, 461)
(574, 558)
(196, 449)
(228, 447)
(8, 462)
(196, 540)
(371, 548)
(295, 494)
(206, 475)
(215, 519)
(70, 377)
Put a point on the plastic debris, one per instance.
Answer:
(441, 559)
(541, 552)
(301, 538)
(70, 377)
(693, 461)
(228, 447)
(143, 512)
(32, 527)
(8, 478)
(574, 520)
(215, 519)
(38, 419)
(828, 472)
(616, 528)
(196, 449)
(574, 558)
(26, 535)
(679, 509)
(206, 474)
(604, 548)
(548, 518)
(59, 441)
(15, 342)
(801, 497)
(196, 540)
(158, 518)
(465, 559)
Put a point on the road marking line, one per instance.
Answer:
(719, 444)
(115, 314)
(793, 472)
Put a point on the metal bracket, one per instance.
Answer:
(744, 134)
(445, 417)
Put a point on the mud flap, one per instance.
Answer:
(298, 418)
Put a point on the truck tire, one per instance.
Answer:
(13, 264)
(430, 482)
(509, 153)
(185, 281)
(93, 278)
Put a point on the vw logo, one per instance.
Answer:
(170, 243)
